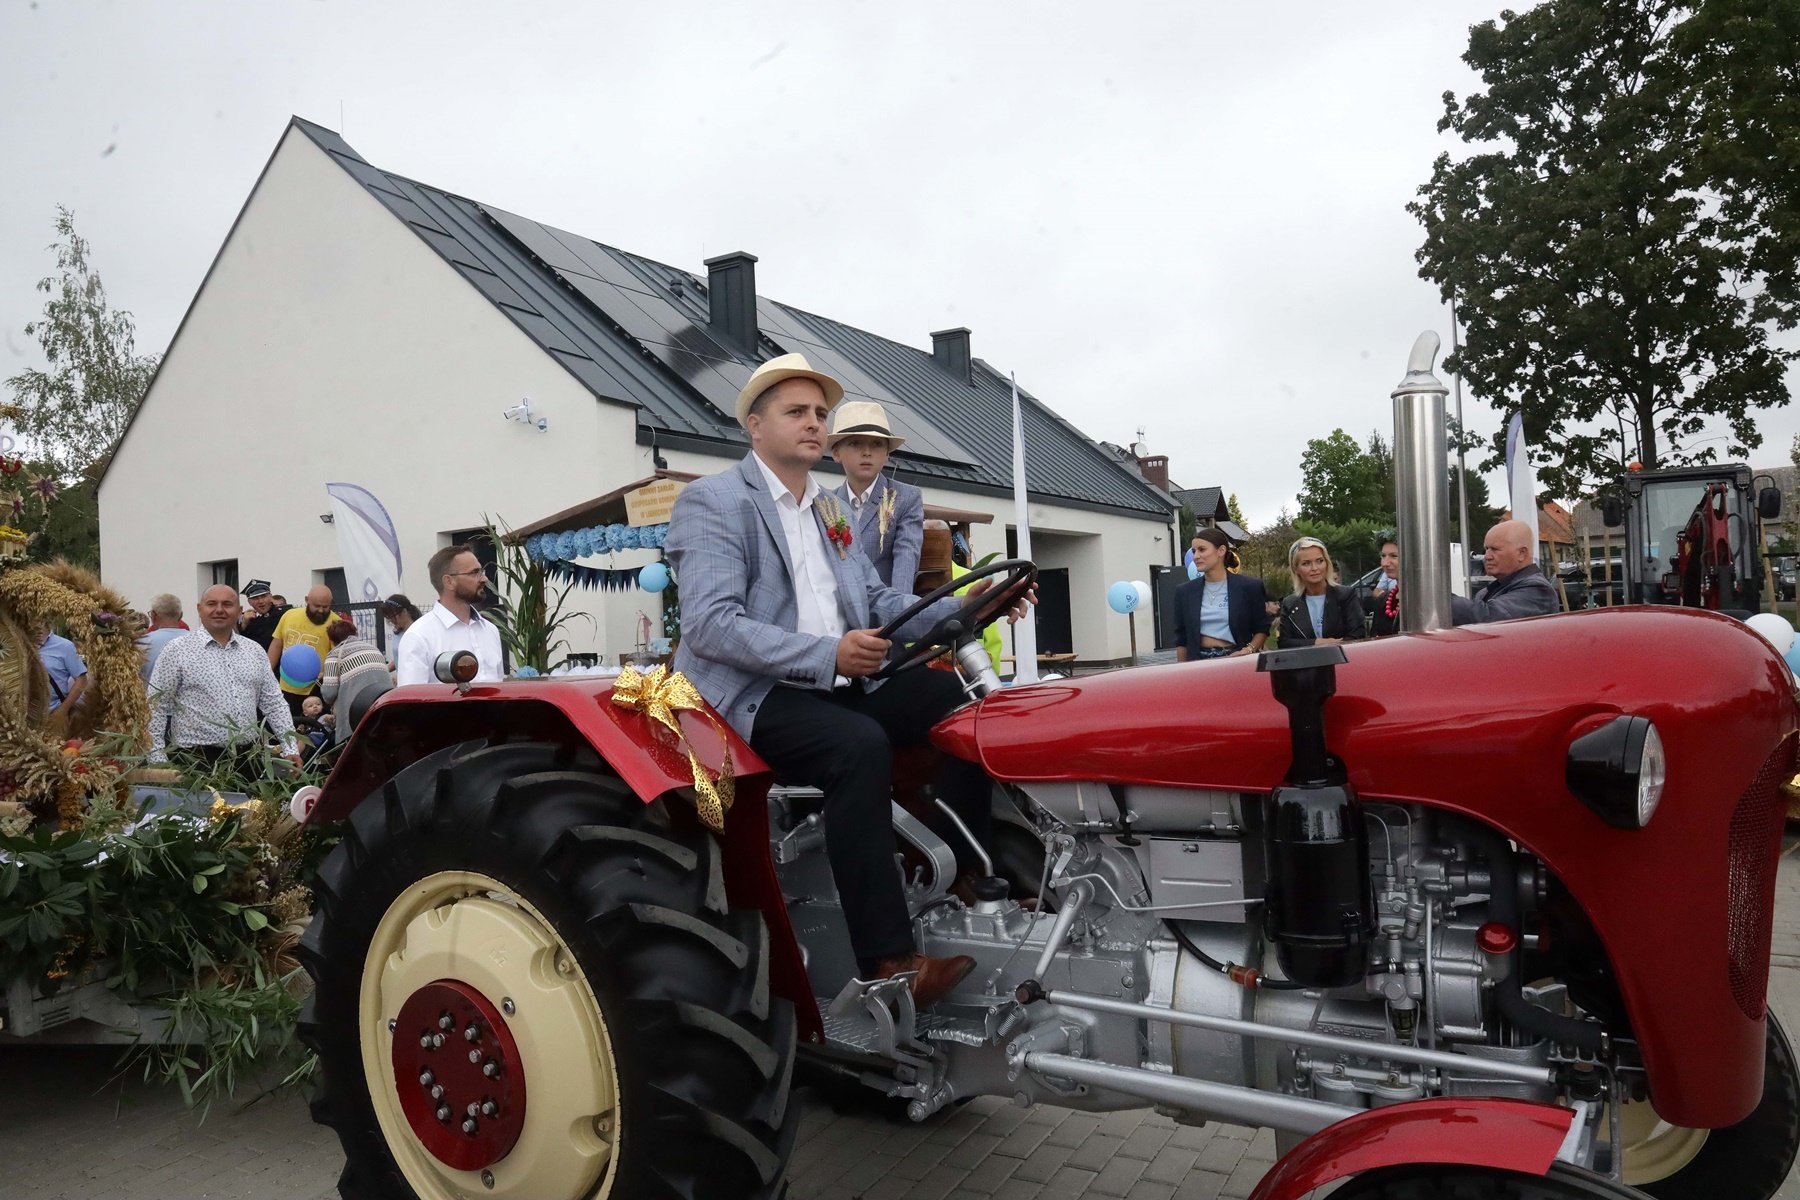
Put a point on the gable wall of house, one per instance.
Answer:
(331, 344)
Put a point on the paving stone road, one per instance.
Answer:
(71, 1129)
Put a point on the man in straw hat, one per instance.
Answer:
(886, 516)
(779, 613)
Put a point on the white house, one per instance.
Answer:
(360, 327)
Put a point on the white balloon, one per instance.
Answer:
(1143, 591)
(1775, 630)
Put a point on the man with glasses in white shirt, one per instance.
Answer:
(453, 623)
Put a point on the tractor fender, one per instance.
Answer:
(411, 722)
(408, 723)
(1506, 1135)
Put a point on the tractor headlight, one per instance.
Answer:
(1618, 771)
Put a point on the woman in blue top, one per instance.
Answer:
(1219, 614)
(1320, 612)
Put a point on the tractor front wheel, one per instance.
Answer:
(1425, 1181)
(1746, 1161)
(528, 985)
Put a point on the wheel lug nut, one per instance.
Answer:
(437, 1091)
(426, 1079)
(473, 1108)
(443, 1113)
(425, 1042)
(437, 1039)
(490, 1068)
(472, 1034)
(507, 1006)
(474, 1056)
(469, 1126)
(446, 1021)
(489, 1108)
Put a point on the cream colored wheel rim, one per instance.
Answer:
(1653, 1148)
(467, 927)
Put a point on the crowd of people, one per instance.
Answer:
(1220, 613)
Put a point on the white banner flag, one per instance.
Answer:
(367, 542)
(1025, 664)
(1521, 479)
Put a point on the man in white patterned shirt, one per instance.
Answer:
(208, 688)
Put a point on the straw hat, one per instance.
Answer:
(788, 366)
(861, 418)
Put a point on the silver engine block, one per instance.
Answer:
(1142, 879)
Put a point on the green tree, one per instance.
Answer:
(1483, 516)
(1236, 512)
(1340, 481)
(72, 412)
(1381, 461)
(1612, 280)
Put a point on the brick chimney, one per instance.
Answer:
(1155, 469)
(950, 347)
(731, 289)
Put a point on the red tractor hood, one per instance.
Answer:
(1478, 707)
(1479, 721)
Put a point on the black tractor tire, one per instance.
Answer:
(692, 1053)
(1751, 1159)
(1427, 1181)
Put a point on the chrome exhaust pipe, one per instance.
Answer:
(1422, 491)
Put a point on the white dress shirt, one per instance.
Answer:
(204, 692)
(815, 584)
(439, 631)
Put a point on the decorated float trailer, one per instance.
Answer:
(128, 900)
(1509, 940)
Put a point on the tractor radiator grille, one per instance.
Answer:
(1755, 852)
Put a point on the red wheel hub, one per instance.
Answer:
(458, 1075)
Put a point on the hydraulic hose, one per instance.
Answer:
(1503, 907)
(1244, 976)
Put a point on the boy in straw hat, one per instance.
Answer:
(887, 517)
(779, 613)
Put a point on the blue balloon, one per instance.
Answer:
(299, 666)
(1793, 657)
(1121, 597)
(654, 577)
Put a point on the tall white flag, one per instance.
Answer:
(1521, 478)
(1025, 664)
(367, 542)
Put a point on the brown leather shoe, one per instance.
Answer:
(936, 976)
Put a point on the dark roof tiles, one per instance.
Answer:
(636, 331)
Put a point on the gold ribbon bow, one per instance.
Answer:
(660, 695)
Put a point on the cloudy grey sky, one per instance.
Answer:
(1182, 216)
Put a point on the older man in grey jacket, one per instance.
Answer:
(1519, 588)
(778, 631)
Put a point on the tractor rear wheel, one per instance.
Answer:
(528, 985)
(1427, 1181)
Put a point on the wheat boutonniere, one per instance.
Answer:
(884, 515)
(837, 525)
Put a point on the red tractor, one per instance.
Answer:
(1509, 940)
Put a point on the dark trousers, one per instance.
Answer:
(842, 743)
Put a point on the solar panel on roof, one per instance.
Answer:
(540, 241)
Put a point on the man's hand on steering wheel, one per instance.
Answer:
(861, 652)
(1020, 607)
(982, 605)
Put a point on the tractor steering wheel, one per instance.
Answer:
(977, 613)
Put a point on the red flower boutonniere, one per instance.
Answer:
(837, 525)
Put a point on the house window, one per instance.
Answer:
(333, 578)
(224, 570)
(485, 553)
